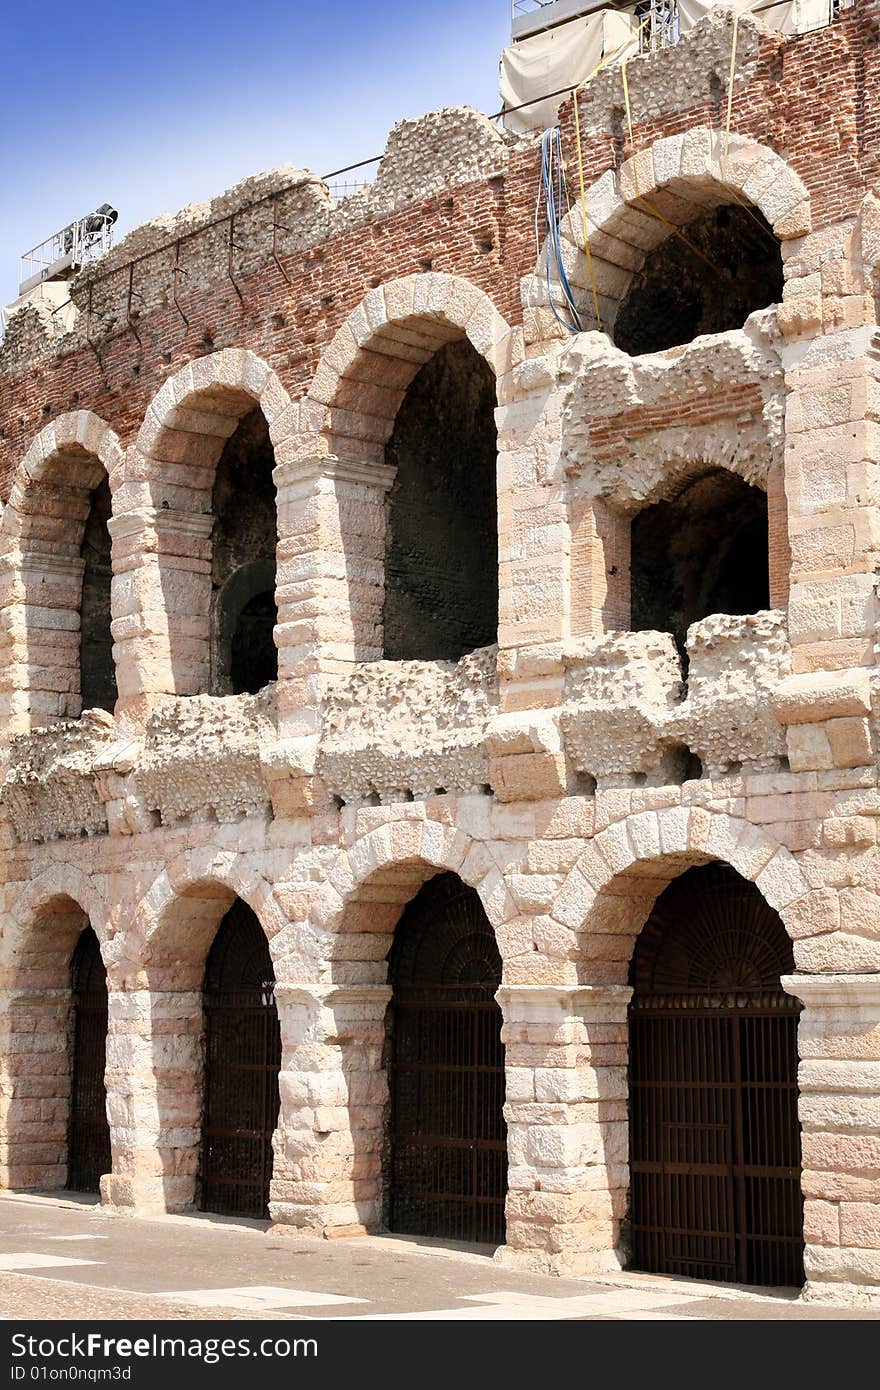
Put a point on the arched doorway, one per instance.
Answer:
(715, 1147)
(88, 1132)
(447, 1162)
(242, 1061)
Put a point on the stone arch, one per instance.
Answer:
(373, 880)
(178, 918)
(599, 912)
(333, 1083)
(165, 594)
(40, 931)
(338, 454)
(681, 176)
(611, 888)
(41, 538)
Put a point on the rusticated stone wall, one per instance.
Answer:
(565, 772)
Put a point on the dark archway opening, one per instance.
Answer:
(88, 1133)
(715, 1148)
(704, 551)
(446, 1165)
(242, 1062)
(678, 295)
(244, 657)
(441, 571)
(97, 671)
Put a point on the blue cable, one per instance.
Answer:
(553, 186)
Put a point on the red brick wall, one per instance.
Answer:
(815, 99)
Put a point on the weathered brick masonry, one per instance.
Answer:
(567, 774)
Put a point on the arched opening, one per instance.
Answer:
(715, 1147)
(703, 551)
(446, 1164)
(731, 267)
(88, 1143)
(441, 572)
(244, 657)
(242, 1062)
(97, 672)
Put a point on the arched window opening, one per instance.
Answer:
(242, 1062)
(446, 1169)
(244, 655)
(704, 551)
(715, 1145)
(732, 267)
(96, 666)
(441, 575)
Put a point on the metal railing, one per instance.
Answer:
(67, 251)
(662, 31)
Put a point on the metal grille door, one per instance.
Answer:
(448, 1150)
(714, 1133)
(242, 1061)
(88, 1134)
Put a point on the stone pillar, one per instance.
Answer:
(154, 1098)
(41, 595)
(839, 1081)
(330, 577)
(161, 604)
(600, 568)
(34, 1088)
(566, 1110)
(328, 1146)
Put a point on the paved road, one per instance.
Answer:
(65, 1258)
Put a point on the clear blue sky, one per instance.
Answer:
(155, 104)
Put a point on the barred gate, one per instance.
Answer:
(242, 1062)
(447, 1172)
(714, 1134)
(88, 1132)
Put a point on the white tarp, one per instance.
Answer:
(789, 17)
(558, 58)
(566, 55)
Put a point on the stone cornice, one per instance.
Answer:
(306, 471)
(835, 991)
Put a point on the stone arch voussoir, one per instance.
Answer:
(680, 176)
(363, 374)
(637, 856)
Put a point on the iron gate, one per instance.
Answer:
(714, 1133)
(447, 1169)
(88, 1131)
(242, 1061)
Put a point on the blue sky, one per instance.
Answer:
(150, 106)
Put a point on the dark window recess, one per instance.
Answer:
(441, 580)
(96, 668)
(244, 657)
(446, 1173)
(676, 295)
(242, 1061)
(715, 1144)
(705, 551)
(88, 1132)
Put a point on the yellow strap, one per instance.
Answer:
(655, 212)
(609, 58)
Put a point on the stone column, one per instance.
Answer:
(154, 1098)
(41, 594)
(330, 577)
(34, 1087)
(839, 1081)
(161, 603)
(565, 1059)
(328, 1146)
(832, 484)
